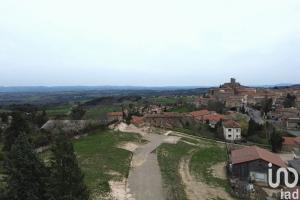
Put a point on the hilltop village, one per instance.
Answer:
(258, 125)
(215, 144)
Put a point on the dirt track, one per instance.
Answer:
(196, 190)
(145, 181)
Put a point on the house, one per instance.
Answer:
(200, 114)
(114, 116)
(232, 130)
(252, 163)
(289, 143)
(297, 101)
(295, 164)
(137, 121)
(212, 119)
(169, 120)
(206, 116)
(204, 101)
(293, 123)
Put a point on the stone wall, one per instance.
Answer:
(169, 121)
(71, 126)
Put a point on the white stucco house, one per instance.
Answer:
(232, 131)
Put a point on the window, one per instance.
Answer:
(229, 130)
(229, 136)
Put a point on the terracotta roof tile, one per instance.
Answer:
(137, 120)
(200, 113)
(231, 124)
(115, 114)
(291, 140)
(213, 117)
(252, 153)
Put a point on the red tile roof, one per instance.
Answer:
(200, 113)
(252, 153)
(213, 117)
(137, 120)
(231, 124)
(115, 114)
(166, 115)
(291, 140)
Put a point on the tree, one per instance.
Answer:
(289, 101)
(77, 112)
(66, 179)
(267, 105)
(26, 174)
(18, 125)
(217, 106)
(253, 128)
(244, 126)
(219, 130)
(276, 141)
(41, 118)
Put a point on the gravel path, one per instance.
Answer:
(144, 181)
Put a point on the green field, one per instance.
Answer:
(59, 110)
(201, 131)
(164, 100)
(101, 160)
(203, 159)
(100, 111)
(169, 156)
(205, 155)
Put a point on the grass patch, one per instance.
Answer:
(98, 155)
(206, 155)
(99, 112)
(100, 159)
(203, 160)
(59, 110)
(202, 131)
(169, 156)
(165, 100)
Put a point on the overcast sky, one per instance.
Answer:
(149, 42)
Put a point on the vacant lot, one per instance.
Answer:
(187, 173)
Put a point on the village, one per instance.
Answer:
(258, 126)
(218, 144)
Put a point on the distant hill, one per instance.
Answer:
(89, 88)
(60, 95)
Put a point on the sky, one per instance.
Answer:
(149, 43)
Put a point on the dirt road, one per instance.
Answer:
(145, 181)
